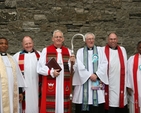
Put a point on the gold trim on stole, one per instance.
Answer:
(4, 85)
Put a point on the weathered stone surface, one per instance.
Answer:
(2, 5)
(7, 16)
(10, 3)
(39, 18)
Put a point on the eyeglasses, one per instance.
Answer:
(90, 39)
(58, 37)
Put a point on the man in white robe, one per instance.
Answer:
(115, 95)
(84, 75)
(56, 84)
(27, 59)
(134, 81)
(11, 79)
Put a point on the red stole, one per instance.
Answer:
(21, 65)
(49, 83)
(135, 68)
(122, 78)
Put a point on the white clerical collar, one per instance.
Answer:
(58, 47)
(113, 48)
(28, 52)
(3, 54)
(90, 48)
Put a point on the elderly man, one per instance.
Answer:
(89, 77)
(56, 84)
(10, 79)
(27, 59)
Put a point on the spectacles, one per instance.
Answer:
(58, 37)
(90, 39)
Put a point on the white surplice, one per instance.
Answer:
(81, 75)
(130, 82)
(20, 81)
(31, 79)
(43, 70)
(114, 77)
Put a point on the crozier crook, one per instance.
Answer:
(78, 34)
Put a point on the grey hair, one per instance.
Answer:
(57, 30)
(89, 33)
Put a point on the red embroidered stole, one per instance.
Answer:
(122, 78)
(106, 86)
(21, 65)
(135, 68)
(49, 83)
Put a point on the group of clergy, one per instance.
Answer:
(102, 77)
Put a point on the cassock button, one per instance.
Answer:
(121, 91)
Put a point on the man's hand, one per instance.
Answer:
(20, 97)
(72, 59)
(93, 77)
(129, 91)
(56, 73)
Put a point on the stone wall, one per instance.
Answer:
(39, 18)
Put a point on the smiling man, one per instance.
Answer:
(56, 85)
(115, 93)
(10, 79)
(27, 59)
(89, 77)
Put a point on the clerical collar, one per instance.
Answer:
(3, 54)
(113, 48)
(58, 47)
(24, 51)
(90, 48)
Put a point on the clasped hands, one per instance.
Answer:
(93, 77)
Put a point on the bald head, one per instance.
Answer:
(112, 40)
(27, 44)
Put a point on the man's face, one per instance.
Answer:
(112, 40)
(58, 39)
(3, 45)
(90, 41)
(27, 44)
(139, 48)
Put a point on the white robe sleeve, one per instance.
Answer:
(130, 72)
(20, 79)
(41, 65)
(81, 74)
(102, 66)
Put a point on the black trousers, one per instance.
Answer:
(117, 110)
(92, 109)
